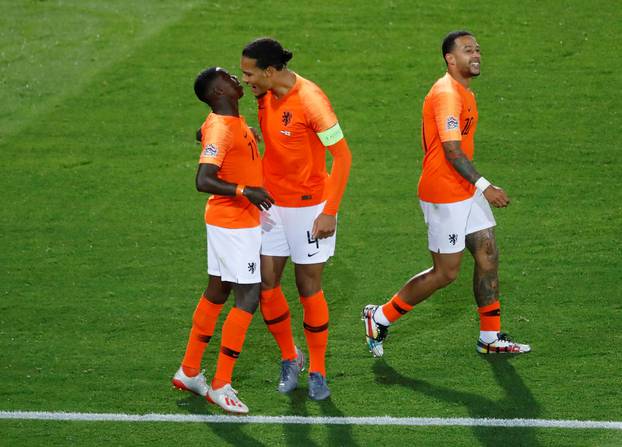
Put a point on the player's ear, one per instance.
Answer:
(217, 90)
(450, 59)
(269, 71)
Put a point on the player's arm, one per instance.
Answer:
(339, 174)
(333, 139)
(454, 154)
(208, 181)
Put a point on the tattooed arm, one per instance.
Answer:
(495, 196)
(459, 161)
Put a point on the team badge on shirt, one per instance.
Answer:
(210, 151)
(452, 123)
(286, 118)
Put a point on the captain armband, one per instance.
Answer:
(331, 136)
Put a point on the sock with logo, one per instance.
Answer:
(391, 311)
(489, 321)
(233, 334)
(315, 322)
(203, 323)
(275, 312)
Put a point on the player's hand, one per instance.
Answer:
(258, 197)
(256, 134)
(324, 226)
(496, 196)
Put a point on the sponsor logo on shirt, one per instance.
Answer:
(286, 132)
(452, 123)
(210, 151)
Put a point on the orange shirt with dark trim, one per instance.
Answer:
(449, 114)
(227, 142)
(294, 161)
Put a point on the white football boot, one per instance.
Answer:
(196, 384)
(227, 398)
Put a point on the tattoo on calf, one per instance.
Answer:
(483, 247)
(485, 287)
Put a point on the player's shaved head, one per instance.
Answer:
(268, 53)
(449, 42)
(204, 81)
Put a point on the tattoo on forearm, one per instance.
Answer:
(460, 162)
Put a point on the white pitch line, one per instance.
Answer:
(311, 420)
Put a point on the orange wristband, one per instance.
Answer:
(239, 190)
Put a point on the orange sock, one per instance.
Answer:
(203, 323)
(275, 311)
(490, 317)
(233, 334)
(315, 322)
(395, 308)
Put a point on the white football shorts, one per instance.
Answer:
(286, 231)
(233, 254)
(449, 223)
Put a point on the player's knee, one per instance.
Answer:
(247, 297)
(488, 258)
(217, 295)
(269, 283)
(447, 276)
(249, 306)
(308, 285)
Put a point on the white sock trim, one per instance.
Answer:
(380, 317)
(488, 336)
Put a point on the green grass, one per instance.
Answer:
(102, 252)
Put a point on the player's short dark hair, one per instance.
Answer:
(268, 53)
(449, 42)
(203, 82)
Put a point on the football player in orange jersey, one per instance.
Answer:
(229, 162)
(455, 200)
(298, 126)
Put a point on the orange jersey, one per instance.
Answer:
(294, 162)
(449, 114)
(227, 142)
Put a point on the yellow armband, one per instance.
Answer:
(331, 136)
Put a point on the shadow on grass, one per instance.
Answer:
(300, 435)
(518, 401)
(295, 434)
(232, 434)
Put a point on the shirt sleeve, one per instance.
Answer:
(318, 111)
(447, 108)
(215, 142)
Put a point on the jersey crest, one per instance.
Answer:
(286, 118)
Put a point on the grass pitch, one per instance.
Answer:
(102, 256)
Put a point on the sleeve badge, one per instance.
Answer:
(210, 151)
(452, 123)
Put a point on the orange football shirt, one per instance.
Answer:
(294, 161)
(449, 114)
(227, 142)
